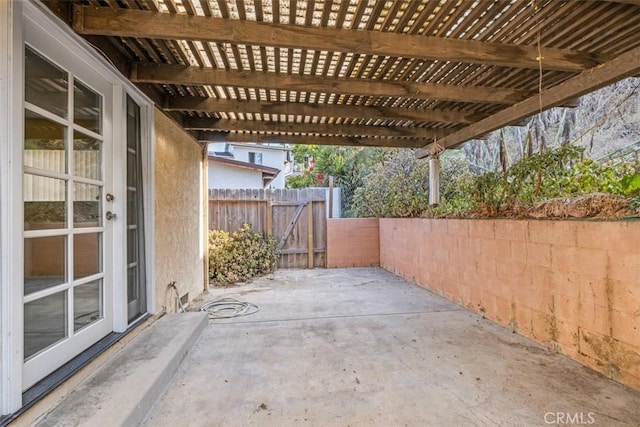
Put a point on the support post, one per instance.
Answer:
(310, 243)
(434, 180)
(205, 216)
(330, 197)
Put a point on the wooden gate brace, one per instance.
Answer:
(292, 224)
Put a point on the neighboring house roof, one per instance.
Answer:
(268, 173)
(223, 154)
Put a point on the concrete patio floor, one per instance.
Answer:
(362, 347)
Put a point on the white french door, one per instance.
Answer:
(68, 202)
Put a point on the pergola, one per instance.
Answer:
(427, 74)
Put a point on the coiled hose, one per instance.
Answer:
(227, 308)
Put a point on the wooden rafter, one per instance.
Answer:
(309, 139)
(157, 25)
(205, 123)
(171, 74)
(634, 2)
(407, 65)
(625, 65)
(215, 105)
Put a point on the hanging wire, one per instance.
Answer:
(539, 58)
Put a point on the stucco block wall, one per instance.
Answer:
(178, 216)
(353, 242)
(573, 286)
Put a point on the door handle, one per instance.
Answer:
(110, 215)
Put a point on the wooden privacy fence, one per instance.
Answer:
(296, 218)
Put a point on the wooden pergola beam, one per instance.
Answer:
(625, 65)
(204, 136)
(205, 123)
(158, 25)
(180, 75)
(216, 105)
(634, 2)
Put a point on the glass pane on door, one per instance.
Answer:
(132, 284)
(87, 111)
(87, 203)
(87, 156)
(44, 143)
(45, 263)
(87, 255)
(87, 304)
(45, 85)
(45, 323)
(45, 202)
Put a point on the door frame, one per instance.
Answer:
(15, 17)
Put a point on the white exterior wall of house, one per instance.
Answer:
(273, 157)
(233, 177)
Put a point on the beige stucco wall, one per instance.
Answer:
(573, 286)
(353, 242)
(178, 216)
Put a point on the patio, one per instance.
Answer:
(143, 86)
(362, 347)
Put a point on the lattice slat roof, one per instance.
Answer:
(361, 72)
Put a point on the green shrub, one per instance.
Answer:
(240, 256)
(551, 174)
(488, 192)
(542, 176)
(398, 186)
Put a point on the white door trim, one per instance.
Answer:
(119, 148)
(147, 135)
(11, 78)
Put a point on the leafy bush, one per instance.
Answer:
(488, 193)
(347, 165)
(241, 255)
(455, 180)
(542, 176)
(307, 179)
(550, 174)
(398, 186)
(630, 184)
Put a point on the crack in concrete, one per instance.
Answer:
(346, 316)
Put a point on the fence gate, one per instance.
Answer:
(296, 218)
